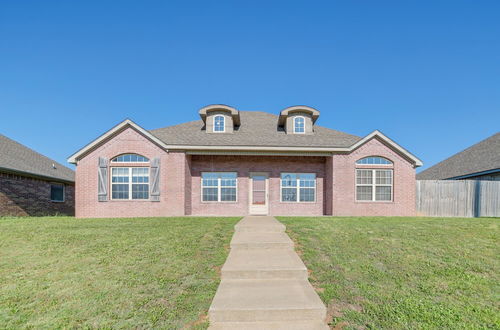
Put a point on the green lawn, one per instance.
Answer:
(396, 273)
(110, 273)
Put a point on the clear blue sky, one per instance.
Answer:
(426, 73)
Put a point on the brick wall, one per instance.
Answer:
(172, 180)
(243, 165)
(24, 196)
(180, 182)
(344, 174)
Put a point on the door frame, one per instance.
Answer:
(250, 193)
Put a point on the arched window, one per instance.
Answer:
(130, 158)
(219, 123)
(374, 160)
(299, 125)
(130, 181)
(374, 184)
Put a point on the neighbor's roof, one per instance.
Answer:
(17, 158)
(256, 129)
(481, 157)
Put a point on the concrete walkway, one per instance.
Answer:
(264, 283)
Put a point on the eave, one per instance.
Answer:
(225, 149)
(34, 175)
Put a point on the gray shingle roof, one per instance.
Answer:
(483, 156)
(21, 159)
(256, 129)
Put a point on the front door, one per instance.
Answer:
(259, 199)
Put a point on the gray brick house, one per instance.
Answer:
(32, 184)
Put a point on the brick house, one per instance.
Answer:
(234, 162)
(32, 184)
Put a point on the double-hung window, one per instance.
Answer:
(219, 186)
(129, 183)
(298, 187)
(374, 185)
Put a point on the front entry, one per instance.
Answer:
(259, 199)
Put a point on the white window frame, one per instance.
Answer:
(295, 124)
(219, 188)
(64, 192)
(374, 164)
(113, 160)
(130, 183)
(374, 185)
(298, 188)
(223, 122)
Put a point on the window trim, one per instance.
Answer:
(114, 161)
(295, 124)
(298, 188)
(219, 187)
(374, 185)
(223, 122)
(129, 184)
(64, 192)
(391, 163)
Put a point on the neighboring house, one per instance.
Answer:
(32, 184)
(240, 162)
(479, 162)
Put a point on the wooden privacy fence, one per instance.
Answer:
(463, 198)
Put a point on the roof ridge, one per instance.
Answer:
(250, 111)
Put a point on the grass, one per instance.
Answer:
(395, 273)
(110, 273)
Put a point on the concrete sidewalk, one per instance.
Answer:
(264, 283)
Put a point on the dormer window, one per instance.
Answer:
(219, 124)
(299, 125)
(298, 119)
(219, 118)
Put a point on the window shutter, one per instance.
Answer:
(102, 193)
(154, 185)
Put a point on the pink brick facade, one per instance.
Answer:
(244, 165)
(180, 182)
(344, 167)
(172, 180)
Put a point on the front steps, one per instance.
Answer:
(264, 283)
(260, 264)
(280, 325)
(266, 300)
(255, 240)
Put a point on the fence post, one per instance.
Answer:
(418, 201)
(477, 198)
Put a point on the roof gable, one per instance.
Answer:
(390, 143)
(259, 131)
(110, 134)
